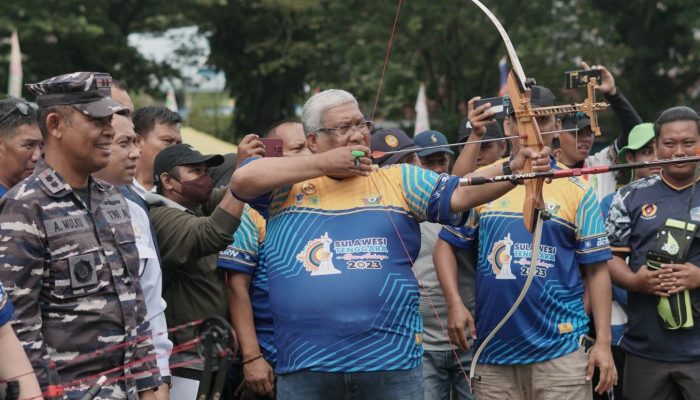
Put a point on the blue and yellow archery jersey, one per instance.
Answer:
(343, 295)
(242, 256)
(551, 318)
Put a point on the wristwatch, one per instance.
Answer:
(168, 380)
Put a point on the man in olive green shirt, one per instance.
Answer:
(192, 223)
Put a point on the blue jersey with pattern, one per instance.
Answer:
(338, 254)
(638, 211)
(551, 318)
(6, 308)
(242, 256)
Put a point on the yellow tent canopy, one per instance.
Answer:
(206, 143)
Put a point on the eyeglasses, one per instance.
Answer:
(363, 127)
(23, 108)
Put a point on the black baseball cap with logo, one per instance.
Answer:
(391, 139)
(88, 92)
(182, 154)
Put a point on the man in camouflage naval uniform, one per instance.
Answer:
(69, 259)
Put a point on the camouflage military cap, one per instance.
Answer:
(89, 92)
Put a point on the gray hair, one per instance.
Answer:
(317, 106)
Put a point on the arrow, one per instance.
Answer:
(565, 173)
(380, 154)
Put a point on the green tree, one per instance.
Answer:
(74, 35)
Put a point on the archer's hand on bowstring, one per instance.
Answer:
(540, 160)
(607, 85)
(676, 278)
(340, 162)
(601, 358)
(459, 319)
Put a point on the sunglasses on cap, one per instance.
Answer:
(577, 116)
(22, 107)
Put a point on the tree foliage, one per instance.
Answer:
(275, 53)
(61, 36)
(271, 49)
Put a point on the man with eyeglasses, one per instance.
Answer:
(341, 237)
(70, 263)
(20, 142)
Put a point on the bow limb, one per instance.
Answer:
(529, 134)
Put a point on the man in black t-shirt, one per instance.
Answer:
(661, 363)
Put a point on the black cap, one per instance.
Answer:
(182, 154)
(577, 120)
(89, 92)
(391, 139)
(493, 131)
(541, 97)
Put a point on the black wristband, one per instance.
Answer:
(251, 359)
(506, 171)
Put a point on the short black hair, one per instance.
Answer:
(13, 118)
(679, 113)
(64, 110)
(173, 173)
(146, 118)
(272, 131)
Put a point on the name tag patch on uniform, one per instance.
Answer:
(116, 215)
(82, 271)
(64, 225)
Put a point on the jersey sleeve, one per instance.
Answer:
(619, 223)
(462, 237)
(429, 195)
(592, 244)
(242, 254)
(260, 203)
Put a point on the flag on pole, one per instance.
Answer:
(14, 83)
(503, 75)
(170, 100)
(422, 119)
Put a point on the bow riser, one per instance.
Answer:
(529, 133)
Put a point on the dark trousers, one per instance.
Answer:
(647, 379)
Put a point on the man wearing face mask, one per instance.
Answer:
(193, 223)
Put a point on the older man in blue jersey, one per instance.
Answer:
(340, 240)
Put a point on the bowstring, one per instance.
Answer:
(430, 300)
(388, 213)
(386, 58)
(120, 345)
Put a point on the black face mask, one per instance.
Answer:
(198, 190)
